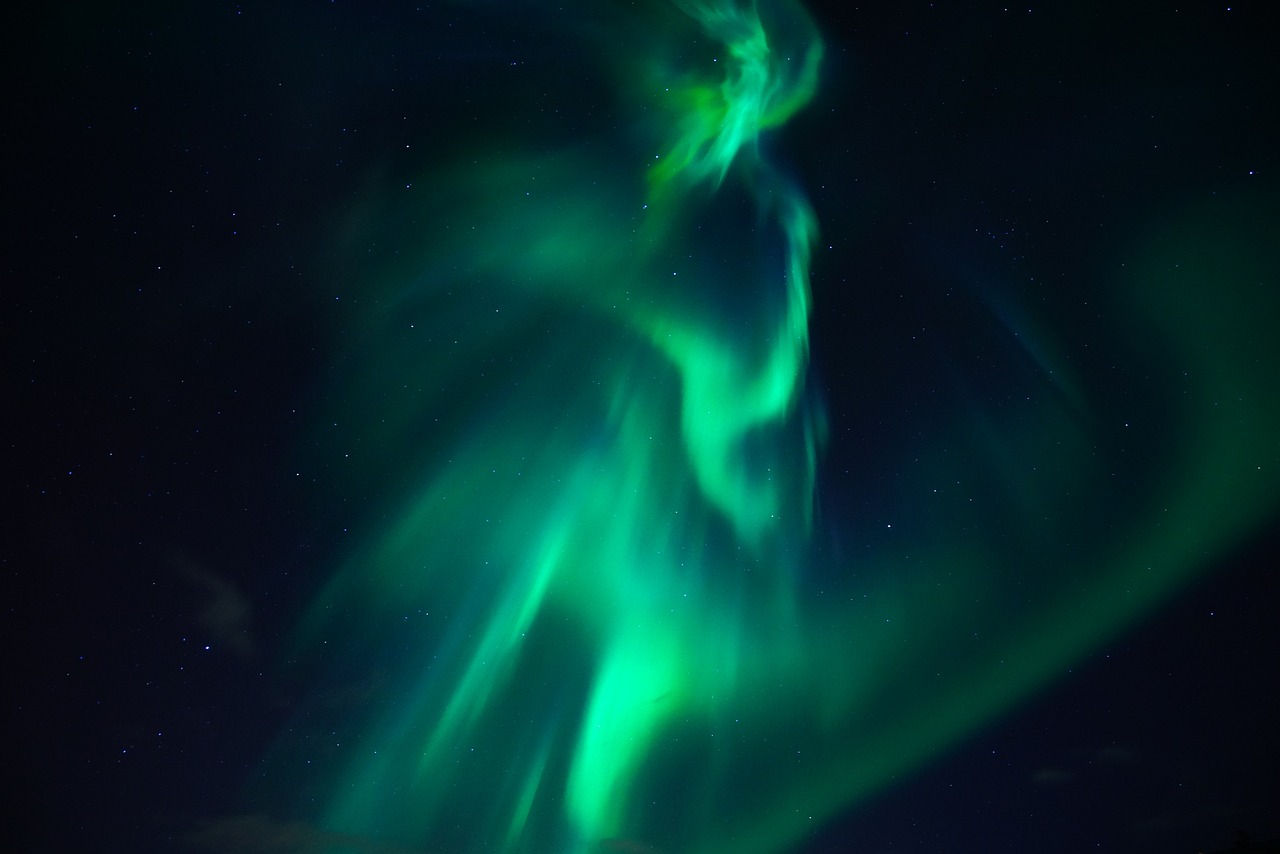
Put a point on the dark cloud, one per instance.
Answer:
(226, 612)
(261, 834)
(1090, 762)
(1052, 776)
(1115, 754)
(1224, 815)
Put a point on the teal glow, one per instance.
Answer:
(589, 608)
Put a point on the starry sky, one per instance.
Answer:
(655, 426)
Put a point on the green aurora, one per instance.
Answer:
(600, 608)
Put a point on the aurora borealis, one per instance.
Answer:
(654, 526)
(663, 426)
(595, 607)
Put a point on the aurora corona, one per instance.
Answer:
(587, 615)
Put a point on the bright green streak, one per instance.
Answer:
(584, 616)
(759, 91)
(726, 393)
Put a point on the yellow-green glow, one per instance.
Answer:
(763, 85)
(582, 613)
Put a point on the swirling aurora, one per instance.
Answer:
(604, 607)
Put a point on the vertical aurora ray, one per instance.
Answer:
(584, 614)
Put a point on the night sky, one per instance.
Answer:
(657, 426)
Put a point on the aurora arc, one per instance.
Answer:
(587, 614)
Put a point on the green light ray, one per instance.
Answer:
(587, 608)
